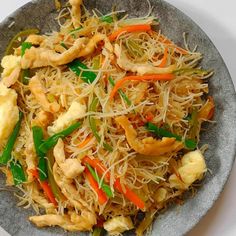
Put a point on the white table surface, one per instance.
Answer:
(218, 19)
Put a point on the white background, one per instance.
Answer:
(218, 19)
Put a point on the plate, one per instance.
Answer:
(222, 141)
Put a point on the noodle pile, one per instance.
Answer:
(140, 100)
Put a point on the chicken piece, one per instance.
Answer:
(192, 168)
(9, 112)
(42, 119)
(12, 78)
(37, 90)
(82, 224)
(68, 189)
(75, 112)
(31, 158)
(9, 64)
(91, 45)
(86, 219)
(147, 146)
(141, 69)
(41, 57)
(71, 168)
(35, 39)
(118, 225)
(76, 12)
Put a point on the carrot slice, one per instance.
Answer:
(102, 198)
(85, 142)
(128, 29)
(45, 186)
(140, 78)
(164, 59)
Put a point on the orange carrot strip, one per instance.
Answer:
(102, 198)
(164, 60)
(207, 111)
(128, 29)
(97, 164)
(140, 78)
(149, 117)
(85, 142)
(129, 195)
(45, 186)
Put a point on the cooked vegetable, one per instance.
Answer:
(193, 121)
(145, 224)
(52, 141)
(189, 143)
(93, 126)
(140, 78)
(101, 195)
(207, 111)
(15, 43)
(86, 76)
(164, 59)
(17, 172)
(98, 232)
(42, 163)
(24, 46)
(120, 91)
(108, 19)
(129, 29)
(6, 155)
(104, 187)
(46, 188)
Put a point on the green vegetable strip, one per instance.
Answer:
(52, 141)
(93, 125)
(98, 232)
(86, 76)
(42, 164)
(108, 19)
(106, 188)
(17, 172)
(24, 75)
(24, 46)
(120, 91)
(63, 45)
(15, 43)
(193, 124)
(6, 155)
(190, 144)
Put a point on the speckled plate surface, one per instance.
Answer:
(220, 156)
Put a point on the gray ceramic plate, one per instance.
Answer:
(220, 156)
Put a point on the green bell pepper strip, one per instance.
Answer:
(42, 163)
(52, 141)
(98, 231)
(106, 188)
(189, 143)
(86, 76)
(108, 19)
(6, 155)
(17, 172)
(120, 91)
(93, 125)
(24, 46)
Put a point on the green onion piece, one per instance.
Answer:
(108, 19)
(24, 46)
(52, 141)
(15, 43)
(6, 155)
(17, 172)
(106, 188)
(24, 75)
(42, 164)
(93, 126)
(86, 76)
(63, 45)
(189, 143)
(120, 91)
(75, 31)
(98, 231)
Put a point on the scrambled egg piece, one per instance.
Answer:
(9, 112)
(76, 111)
(9, 63)
(118, 225)
(192, 168)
